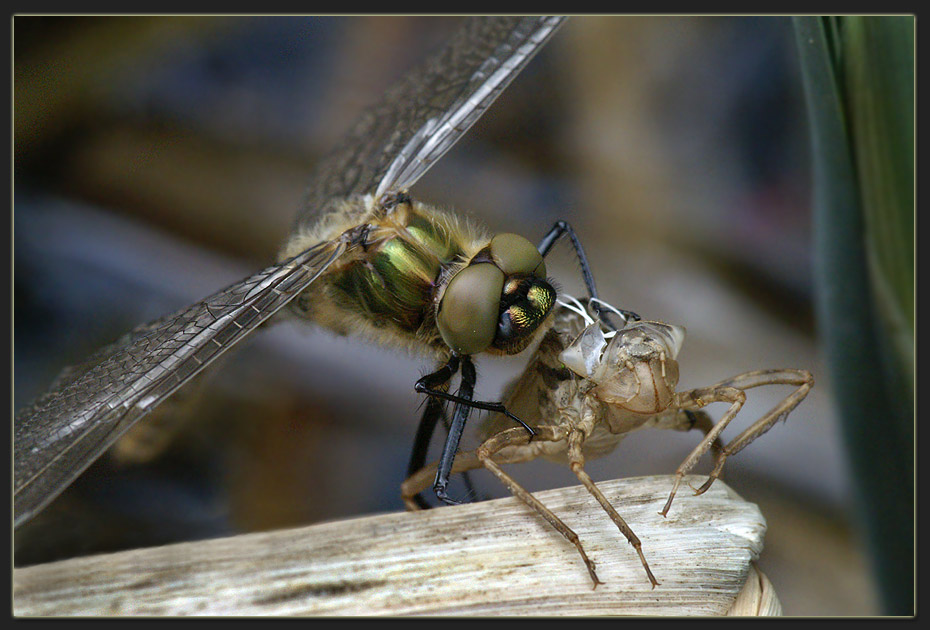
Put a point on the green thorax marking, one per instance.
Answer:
(392, 283)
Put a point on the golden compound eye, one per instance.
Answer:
(526, 302)
(470, 308)
(540, 296)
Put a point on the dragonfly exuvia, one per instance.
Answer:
(583, 394)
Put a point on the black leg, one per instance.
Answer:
(560, 229)
(438, 379)
(460, 399)
(432, 413)
(463, 406)
(459, 416)
(435, 409)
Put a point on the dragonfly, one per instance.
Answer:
(587, 387)
(364, 257)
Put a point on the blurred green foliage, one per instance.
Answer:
(859, 85)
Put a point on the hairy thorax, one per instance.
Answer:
(388, 286)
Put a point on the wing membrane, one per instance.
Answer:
(398, 139)
(90, 405)
(391, 146)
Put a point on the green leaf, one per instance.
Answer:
(879, 94)
(858, 77)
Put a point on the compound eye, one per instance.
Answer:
(470, 307)
(525, 304)
(516, 255)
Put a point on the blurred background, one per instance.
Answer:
(160, 159)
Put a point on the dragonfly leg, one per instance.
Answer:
(562, 228)
(687, 420)
(435, 409)
(576, 463)
(802, 379)
(697, 398)
(733, 390)
(424, 477)
(465, 461)
(423, 387)
(515, 437)
(459, 417)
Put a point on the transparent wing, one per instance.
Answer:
(91, 405)
(397, 140)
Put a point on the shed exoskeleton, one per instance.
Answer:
(587, 387)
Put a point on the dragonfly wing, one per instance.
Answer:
(92, 404)
(422, 115)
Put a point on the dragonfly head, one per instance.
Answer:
(498, 301)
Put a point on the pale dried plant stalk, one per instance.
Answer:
(489, 558)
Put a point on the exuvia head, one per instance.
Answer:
(636, 370)
(498, 301)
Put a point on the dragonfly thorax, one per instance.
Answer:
(420, 277)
